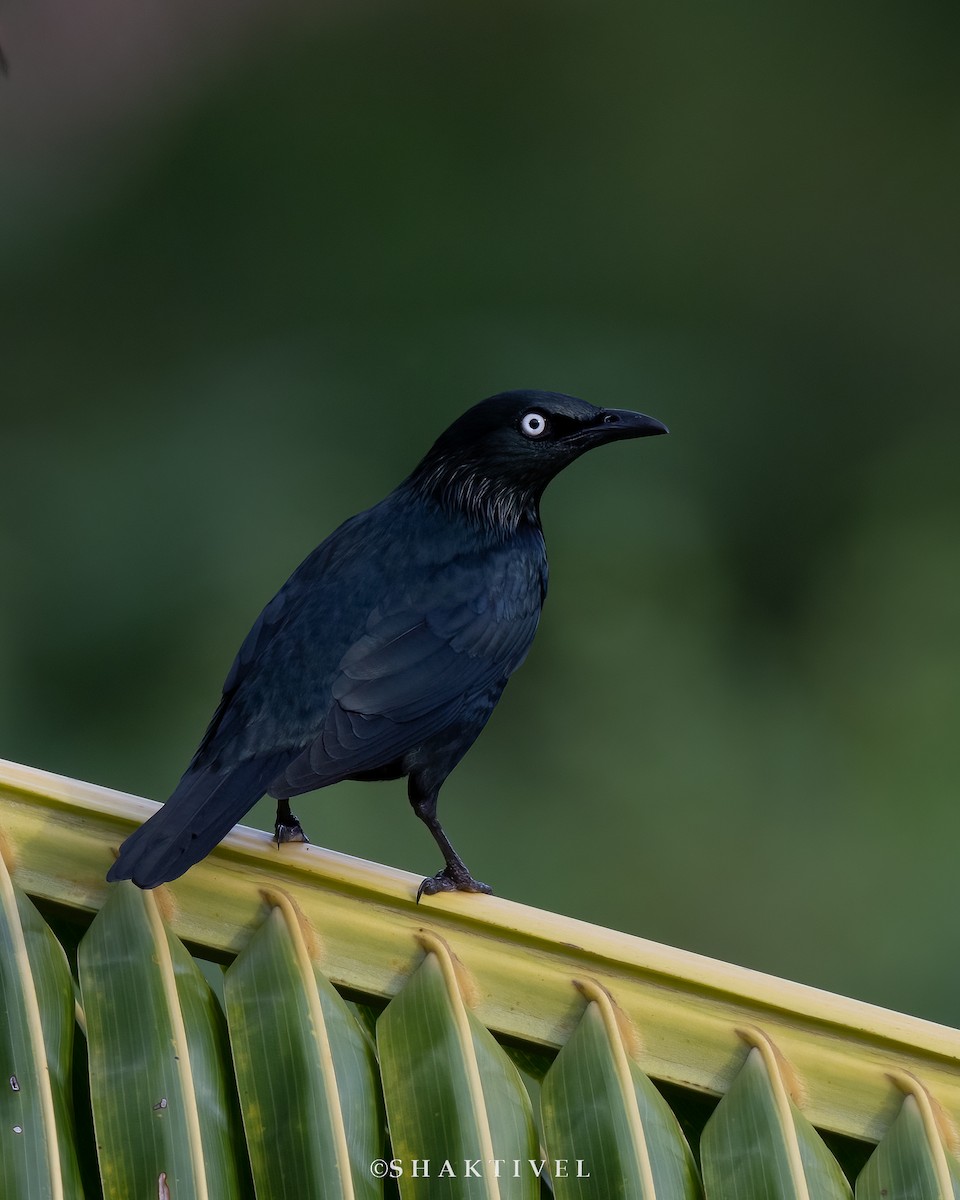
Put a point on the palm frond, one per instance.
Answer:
(468, 986)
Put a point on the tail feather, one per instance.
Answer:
(203, 809)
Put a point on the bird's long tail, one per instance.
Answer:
(205, 806)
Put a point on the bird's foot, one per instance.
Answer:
(450, 879)
(289, 830)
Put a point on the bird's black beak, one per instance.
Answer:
(615, 424)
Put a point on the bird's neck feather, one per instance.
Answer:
(497, 504)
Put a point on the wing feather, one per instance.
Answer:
(416, 670)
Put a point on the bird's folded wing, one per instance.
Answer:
(410, 676)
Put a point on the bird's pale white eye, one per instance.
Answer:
(534, 424)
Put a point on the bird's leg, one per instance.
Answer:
(287, 827)
(454, 877)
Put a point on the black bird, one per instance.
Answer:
(386, 651)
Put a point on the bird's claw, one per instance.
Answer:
(450, 880)
(289, 831)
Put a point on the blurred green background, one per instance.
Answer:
(254, 259)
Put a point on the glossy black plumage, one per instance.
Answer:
(386, 651)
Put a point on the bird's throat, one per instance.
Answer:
(494, 502)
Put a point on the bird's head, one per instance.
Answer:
(494, 462)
